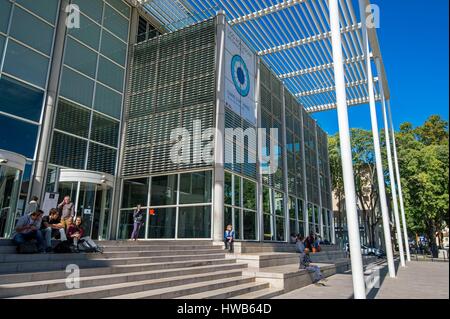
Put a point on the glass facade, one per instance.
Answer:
(92, 88)
(176, 205)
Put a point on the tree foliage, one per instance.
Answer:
(424, 168)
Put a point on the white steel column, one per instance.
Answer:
(219, 173)
(376, 144)
(359, 290)
(399, 185)
(391, 168)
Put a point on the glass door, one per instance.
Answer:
(10, 180)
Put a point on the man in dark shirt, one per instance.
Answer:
(52, 227)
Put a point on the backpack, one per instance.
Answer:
(28, 247)
(63, 248)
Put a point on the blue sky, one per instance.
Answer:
(414, 43)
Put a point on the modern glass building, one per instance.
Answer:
(98, 109)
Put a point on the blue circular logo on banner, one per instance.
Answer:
(241, 78)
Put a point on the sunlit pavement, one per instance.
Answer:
(419, 280)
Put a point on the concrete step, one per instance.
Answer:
(95, 260)
(187, 289)
(150, 286)
(229, 292)
(156, 247)
(261, 294)
(154, 242)
(7, 249)
(119, 269)
(14, 257)
(46, 286)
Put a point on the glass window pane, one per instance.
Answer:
(5, 10)
(250, 223)
(267, 227)
(249, 194)
(113, 48)
(120, 6)
(280, 228)
(101, 159)
(72, 118)
(195, 187)
(237, 223)
(20, 99)
(46, 9)
(88, 33)
(228, 220)
(80, 57)
(92, 8)
(266, 201)
(237, 191)
(300, 209)
(104, 130)
(17, 136)
(110, 74)
(162, 223)
(135, 192)
(23, 22)
(68, 151)
(76, 87)
(228, 190)
(126, 223)
(291, 207)
(26, 64)
(164, 190)
(194, 222)
(301, 228)
(2, 42)
(116, 23)
(107, 101)
(279, 203)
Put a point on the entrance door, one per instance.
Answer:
(92, 203)
(10, 179)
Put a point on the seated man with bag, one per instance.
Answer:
(53, 227)
(27, 229)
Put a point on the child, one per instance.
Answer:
(229, 238)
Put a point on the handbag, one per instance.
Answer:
(28, 247)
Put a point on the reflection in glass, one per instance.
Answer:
(268, 235)
(194, 222)
(162, 223)
(126, 222)
(250, 222)
(195, 187)
(228, 189)
(134, 192)
(280, 228)
(163, 190)
(249, 196)
(279, 203)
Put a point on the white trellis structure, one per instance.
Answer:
(327, 54)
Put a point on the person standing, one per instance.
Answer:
(33, 205)
(229, 238)
(66, 207)
(138, 219)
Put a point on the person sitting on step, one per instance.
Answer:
(28, 228)
(305, 263)
(53, 227)
(76, 232)
(229, 238)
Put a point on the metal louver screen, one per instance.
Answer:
(172, 84)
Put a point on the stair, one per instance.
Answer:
(137, 270)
